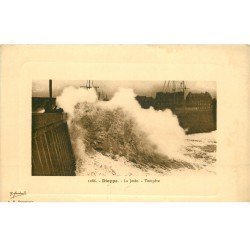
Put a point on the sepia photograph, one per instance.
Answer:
(123, 128)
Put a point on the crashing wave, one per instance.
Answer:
(121, 129)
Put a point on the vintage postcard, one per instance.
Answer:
(125, 123)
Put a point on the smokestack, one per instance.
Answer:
(50, 94)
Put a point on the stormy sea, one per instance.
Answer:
(118, 137)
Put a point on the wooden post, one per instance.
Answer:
(50, 94)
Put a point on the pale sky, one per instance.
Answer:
(149, 88)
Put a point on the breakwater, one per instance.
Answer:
(52, 153)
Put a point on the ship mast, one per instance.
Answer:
(174, 86)
(90, 84)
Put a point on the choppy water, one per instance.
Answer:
(201, 148)
(200, 152)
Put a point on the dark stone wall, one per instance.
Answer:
(196, 121)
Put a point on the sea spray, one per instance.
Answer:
(71, 96)
(120, 128)
(160, 127)
(114, 133)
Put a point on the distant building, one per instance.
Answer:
(169, 100)
(199, 100)
(176, 100)
(145, 102)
